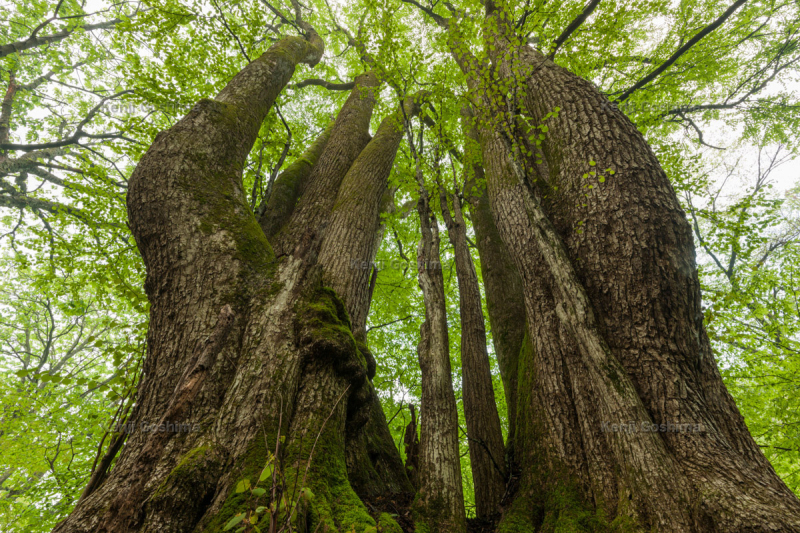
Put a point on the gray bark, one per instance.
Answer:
(485, 436)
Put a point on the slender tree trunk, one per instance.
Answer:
(501, 281)
(411, 446)
(440, 505)
(486, 452)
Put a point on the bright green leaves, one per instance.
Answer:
(243, 485)
(267, 473)
(233, 522)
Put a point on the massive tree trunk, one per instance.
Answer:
(251, 365)
(627, 408)
(440, 505)
(485, 436)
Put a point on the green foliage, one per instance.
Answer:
(73, 314)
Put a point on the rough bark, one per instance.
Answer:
(260, 334)
(578, 383)
(349, 137)
(485, 436)
(607, 261)
(638, 267)
(440, 504)
(347, 252)
(374, 466)
(275, 211)
(501, 281)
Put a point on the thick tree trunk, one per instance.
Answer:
(440, 505)
(191, 222)
(639, 270)
(247, 350)
(486, 452)
(641, 419)
(578, 384)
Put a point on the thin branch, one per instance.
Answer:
(233, 34)
(574, 25)
(79, 133)
(682, 50)
(274, 174)
(34, 40)
(378, 326)
(325, 84)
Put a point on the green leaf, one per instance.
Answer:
(233, 521)
(266, 473)
(242, 486)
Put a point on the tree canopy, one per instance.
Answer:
(713, 86)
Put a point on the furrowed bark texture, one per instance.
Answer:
(348, 250)
(349, 137)
(485, 436)
(440, 504)
(243, 347)
(191, 223)
(611, 289)
(579, 383)
(501, 281)
(348, 253)
(636, 259)
(275, 212)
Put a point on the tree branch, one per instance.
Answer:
(325, 84)
(79, 133)
(574, 25)
(34, 40)
(682, 50)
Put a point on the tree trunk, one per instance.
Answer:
(486, 452)
(191, 222)
(349, 137)
(247, 353)
(348, 250)
(641, 419)
(274, 212)
(411, 446)
(501, 281)
(440, 505)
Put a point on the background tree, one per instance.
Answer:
(87, 91)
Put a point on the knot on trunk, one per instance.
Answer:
(324, 334)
